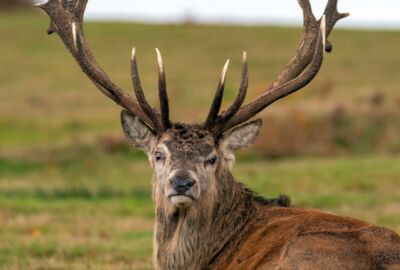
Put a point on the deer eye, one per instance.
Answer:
(212, 160)
(159, 156)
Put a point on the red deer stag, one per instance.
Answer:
(204, 218)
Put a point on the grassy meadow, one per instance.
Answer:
(73, 195)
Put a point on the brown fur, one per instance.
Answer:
(245, 234)
(292, 238)
(227, 226)
(232, 228)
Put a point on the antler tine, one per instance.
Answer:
(162, 91)
(308, 15)
(144, 104)
(265, 99)
(234, 108)
(304, 54)
(67, 21)
(216, 104)
(332, 16)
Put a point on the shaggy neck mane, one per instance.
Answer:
(192, 239)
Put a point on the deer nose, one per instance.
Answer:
(181, 185)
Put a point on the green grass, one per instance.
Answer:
(73, 196)
(71, 214)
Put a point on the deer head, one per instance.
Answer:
(187, 158)
(191, 162)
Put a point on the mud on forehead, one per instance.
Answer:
(190, 140)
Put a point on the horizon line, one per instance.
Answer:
(227, 20)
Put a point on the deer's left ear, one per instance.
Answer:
(240, 137)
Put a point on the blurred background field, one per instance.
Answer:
(73, 195)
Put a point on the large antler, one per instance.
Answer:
(67, 21)
(303, 67)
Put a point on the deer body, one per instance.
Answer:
(234, 229)
(290, 238)
(204, 218)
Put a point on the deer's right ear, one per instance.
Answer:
(137, 133)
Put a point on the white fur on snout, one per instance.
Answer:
(181, 201)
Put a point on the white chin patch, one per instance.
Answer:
(181, 201)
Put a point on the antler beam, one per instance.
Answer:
(67, 21)
(303, 67)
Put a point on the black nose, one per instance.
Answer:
(181, 185)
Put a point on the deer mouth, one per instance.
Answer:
(181, 195)
(181, 200)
